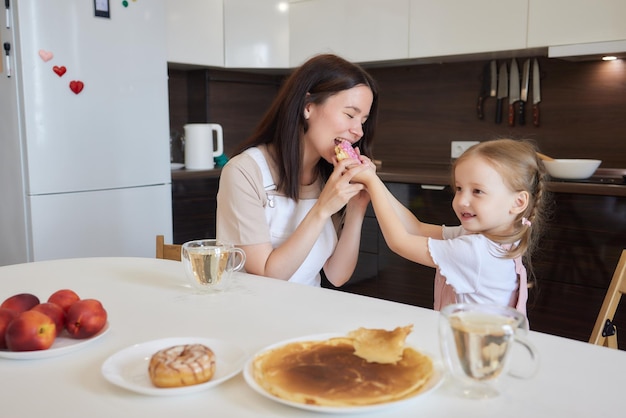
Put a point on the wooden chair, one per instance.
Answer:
(167, 251)
(604, 332)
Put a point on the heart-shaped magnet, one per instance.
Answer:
(76, 86)
(59, 70)
(45, 55)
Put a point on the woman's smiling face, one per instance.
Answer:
(340, 116)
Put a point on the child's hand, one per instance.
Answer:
(364, 172)
(353, 172)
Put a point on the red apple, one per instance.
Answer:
(55, 312)
(20, 302)
(64, 298)
(85, 318)
(30, 331)
(6, 316)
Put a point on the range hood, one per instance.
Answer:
(589, 51)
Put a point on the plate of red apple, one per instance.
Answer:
(31, 329)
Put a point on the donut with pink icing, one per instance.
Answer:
(344, 150)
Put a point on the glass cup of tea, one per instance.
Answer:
(209, 263)
(476, 345)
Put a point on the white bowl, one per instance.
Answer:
(572, 169)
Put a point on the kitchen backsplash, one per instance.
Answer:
(425, 107)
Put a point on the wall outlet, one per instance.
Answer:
(458, 147)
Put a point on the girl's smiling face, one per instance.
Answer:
(340, 116)
(482, 201)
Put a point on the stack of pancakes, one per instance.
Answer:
(365, 368)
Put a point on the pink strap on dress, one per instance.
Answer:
(522, 292)
(444, 293)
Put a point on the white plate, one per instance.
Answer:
(128, 368)
(431, 385)
(176, 166)
(63, 344)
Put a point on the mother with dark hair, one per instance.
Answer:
(284, 198)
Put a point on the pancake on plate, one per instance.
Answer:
(379, 345)
(329, 373)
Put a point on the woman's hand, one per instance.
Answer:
(339, 188)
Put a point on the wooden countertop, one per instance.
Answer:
(184, 174)
(614, 184)
(439, 175)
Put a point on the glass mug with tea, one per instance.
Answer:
(476, 345)
(209, 263)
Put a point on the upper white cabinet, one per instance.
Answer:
(563, 22)
(449, 27)
(195, 32)
(283, 34)
(357, 30)
(256, 33)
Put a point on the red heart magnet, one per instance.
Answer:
(76, 86)
(45, 55)
(59, 70)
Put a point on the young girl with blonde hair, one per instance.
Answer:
(500, 200)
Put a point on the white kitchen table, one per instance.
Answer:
(149, 299)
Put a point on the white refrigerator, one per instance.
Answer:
(84, 129)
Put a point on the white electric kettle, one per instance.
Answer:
(203, 142)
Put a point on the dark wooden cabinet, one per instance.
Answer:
(574, 265)
(194, 206)
(367, 265)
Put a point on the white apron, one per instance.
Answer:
(283, 215)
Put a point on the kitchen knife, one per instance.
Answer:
(536, 92)
(484, 92)
(514, 94)
(503, 90)
(524, 92)
(489, 86)
(493, 72)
